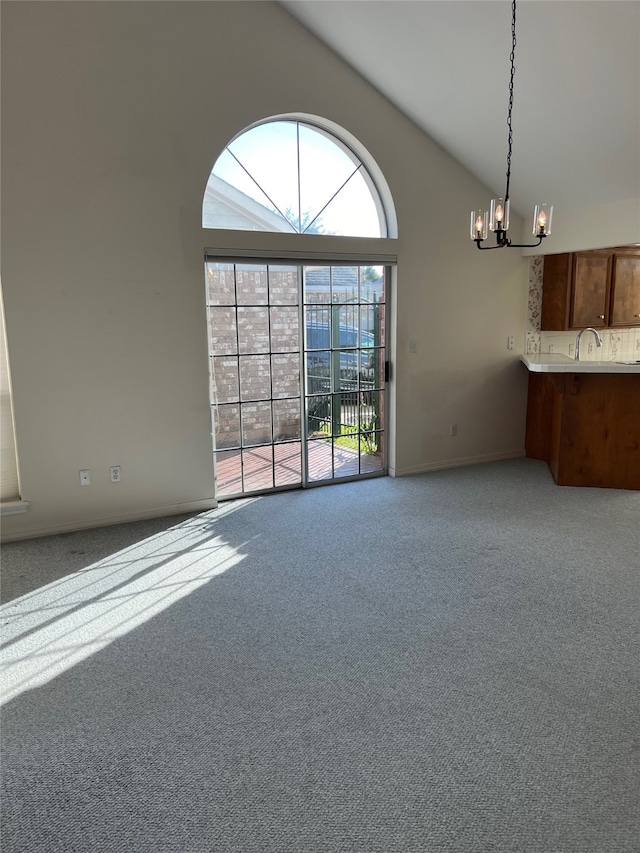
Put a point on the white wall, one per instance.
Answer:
(112, 116)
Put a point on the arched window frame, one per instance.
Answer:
(371, 172)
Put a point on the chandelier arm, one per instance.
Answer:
(527, 245)
(510, 245)
(488, 248)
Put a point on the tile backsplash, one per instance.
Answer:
(622, 344)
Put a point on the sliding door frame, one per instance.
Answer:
(322, 259)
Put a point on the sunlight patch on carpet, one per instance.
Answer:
(55, 627)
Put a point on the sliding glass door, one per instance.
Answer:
(344, 349)
(297, 363)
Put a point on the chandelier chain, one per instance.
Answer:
(512, 57)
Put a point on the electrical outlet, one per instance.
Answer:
(551, 347)
(115, 475)
(413, 346)
(85, 477)
(453, 429)
(510, 342)
(638, 344)
(571, 348)
(590, 347)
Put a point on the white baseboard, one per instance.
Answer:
(211, 503)
(456, 463)
(108, 521)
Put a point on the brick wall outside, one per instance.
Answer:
(251, 312)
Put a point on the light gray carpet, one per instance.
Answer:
(446, 662)
(32, 563)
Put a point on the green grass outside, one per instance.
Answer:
(365, 443)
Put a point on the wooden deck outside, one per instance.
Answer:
(281, 465)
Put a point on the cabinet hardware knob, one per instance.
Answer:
(601, 316)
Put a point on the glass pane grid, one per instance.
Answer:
(255, 370)
(256, 380)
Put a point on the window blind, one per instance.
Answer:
(9, 488)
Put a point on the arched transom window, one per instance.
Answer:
(294, 177)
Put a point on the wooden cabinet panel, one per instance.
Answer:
(587, 427)
(590, 293)
(539, 415)
(625, 291)
(556, 292)
(600, 437)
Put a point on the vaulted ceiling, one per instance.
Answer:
(445, 63)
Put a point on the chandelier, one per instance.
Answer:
(496, 219)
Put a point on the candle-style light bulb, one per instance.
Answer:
(542, 220)
(499, 213)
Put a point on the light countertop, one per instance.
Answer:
(558, 363)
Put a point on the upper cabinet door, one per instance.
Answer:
(591, 277)
(556, 292)
(625, 293)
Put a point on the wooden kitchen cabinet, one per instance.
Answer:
(599, 288)
(586, 426)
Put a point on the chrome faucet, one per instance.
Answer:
(581, 333)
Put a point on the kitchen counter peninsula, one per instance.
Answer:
(583, 419)
(557, 363)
